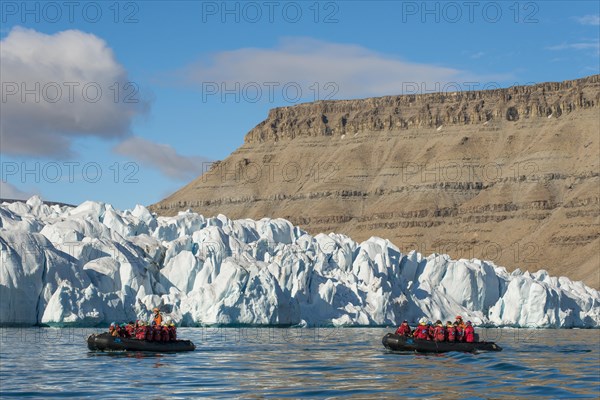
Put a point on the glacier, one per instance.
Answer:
(93, 264)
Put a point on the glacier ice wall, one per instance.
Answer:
(92, 264)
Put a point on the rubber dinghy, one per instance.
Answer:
(104, 341)
(402, 343)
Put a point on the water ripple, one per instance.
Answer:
(280, 363)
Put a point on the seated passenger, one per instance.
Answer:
(129, 330)
(149, 333)
(112, 329)
(459, 332)
(122, 330)
(403, 329)
(469, 333)
(156, 333)
(421, 331)
(450, 332)
(164, 333)
(172, 332)
(439, 333)
(140, 332)
(430, 330)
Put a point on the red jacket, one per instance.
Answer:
(164, 334)
(156, 333)
(460, 334)
(130, 329)
(431, 332)
(172, 333)
(469, 334)
(140, 332)
(149, 333)
(450, 333)
(421, 332)
(439, 334)
(403, 330)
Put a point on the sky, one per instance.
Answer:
(126, 102)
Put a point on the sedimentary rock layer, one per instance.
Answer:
(508, 175)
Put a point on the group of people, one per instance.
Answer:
(458, 331)
(155, 331)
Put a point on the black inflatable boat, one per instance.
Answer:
(104, 341)
(401, 343)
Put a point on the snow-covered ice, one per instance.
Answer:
(93, 264)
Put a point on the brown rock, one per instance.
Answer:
(508, 175)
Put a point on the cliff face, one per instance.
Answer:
(508, 175)
(391, 113)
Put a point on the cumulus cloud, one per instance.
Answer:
(355, 70)
(9, 191)
(590, 19)
(62, 86)
(162, 157)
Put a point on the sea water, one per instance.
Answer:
(299, 362)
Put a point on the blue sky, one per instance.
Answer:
(125, 102)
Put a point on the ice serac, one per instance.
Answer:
(93, 264)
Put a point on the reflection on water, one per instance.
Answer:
(294, 362)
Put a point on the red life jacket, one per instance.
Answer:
(156, 334)
(439, 334)
(469, 334)
(172, 333)
(149, 333)
(450, 334)
(164, 334)
(130, 330)
(459, 334)
(403, 330)
(421, 332)
(430, 332)
(140, 332)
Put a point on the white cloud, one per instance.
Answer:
(584, 45)
(590, 46)
(162, 157)
(9, 191)
(357, 71)
(590, 19)
(63, 73)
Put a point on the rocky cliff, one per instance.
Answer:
(508, 175)
(392, 113)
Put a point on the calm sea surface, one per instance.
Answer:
(299, 362)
